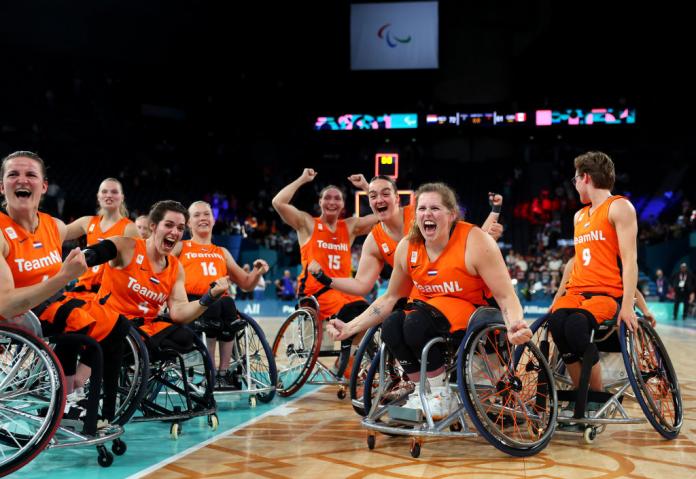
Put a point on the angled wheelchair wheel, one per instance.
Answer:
(253, 358)
(369, 347)
(508, 391)
(541, 337)
(180, 385)
(295, 350)
(132, 381)
(652, 378)
(32, 397)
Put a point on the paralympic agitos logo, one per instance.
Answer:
(392, 40)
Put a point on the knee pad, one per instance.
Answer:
(415, 326)
(213, 327)
(571, 332)
(229, 329)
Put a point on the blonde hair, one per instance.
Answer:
(122, 209)
(449, 200)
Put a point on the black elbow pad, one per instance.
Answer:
(100, 253)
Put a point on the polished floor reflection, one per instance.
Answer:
(320, 436)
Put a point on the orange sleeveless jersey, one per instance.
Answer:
(91, 279)
(597, 266)
(203, 264)
(136, 291)
(445, 283)
(35, 257)
(386, 243)
(332, 251)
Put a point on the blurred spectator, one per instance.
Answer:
(662, 285)
(683, 284)
(285, 286)
(142, 222)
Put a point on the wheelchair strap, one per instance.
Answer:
(38, 310)
(63, 312)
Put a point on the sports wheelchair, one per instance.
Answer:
(505, 391)
(179, 384)
(297, 348)
(32, 398)
(252, 366)
(634, 364)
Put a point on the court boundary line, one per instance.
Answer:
(211, 440)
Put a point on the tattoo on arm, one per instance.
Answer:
(375, 311)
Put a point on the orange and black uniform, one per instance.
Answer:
(447, 296)
(595, 283)
(445, 283)
(35, 257)
(595, 288)
(385, 243)
(135, 291)
(203, 264)
(331, 249)
(89, 282)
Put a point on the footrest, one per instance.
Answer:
(406, 414)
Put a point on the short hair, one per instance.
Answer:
(388, 179)
(160, 209)
(23, 154)
(600, 168)
(329, 187)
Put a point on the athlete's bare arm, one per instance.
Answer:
(642, 305)
(491, 225)
(483, 258)
(77, 228)
(371, 264)
(564, 279)
(183, 311)
(246, 281)
(132, 231)
(360, 226)
(623, 216)
(299, 220)
(358, 180)
(15, 301)
(125, 249)
(399, 286)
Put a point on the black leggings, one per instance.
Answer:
(407, 332)
(217, 320)
(112, 354)
(176, 337)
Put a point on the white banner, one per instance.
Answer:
(394, 36)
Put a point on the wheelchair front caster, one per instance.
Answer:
(341, 393)
(213, 421)
(175, 430)
(252, 401)
(119, 447)
(105, 458)
(415, 447)
(456, 427)
(590, 434)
